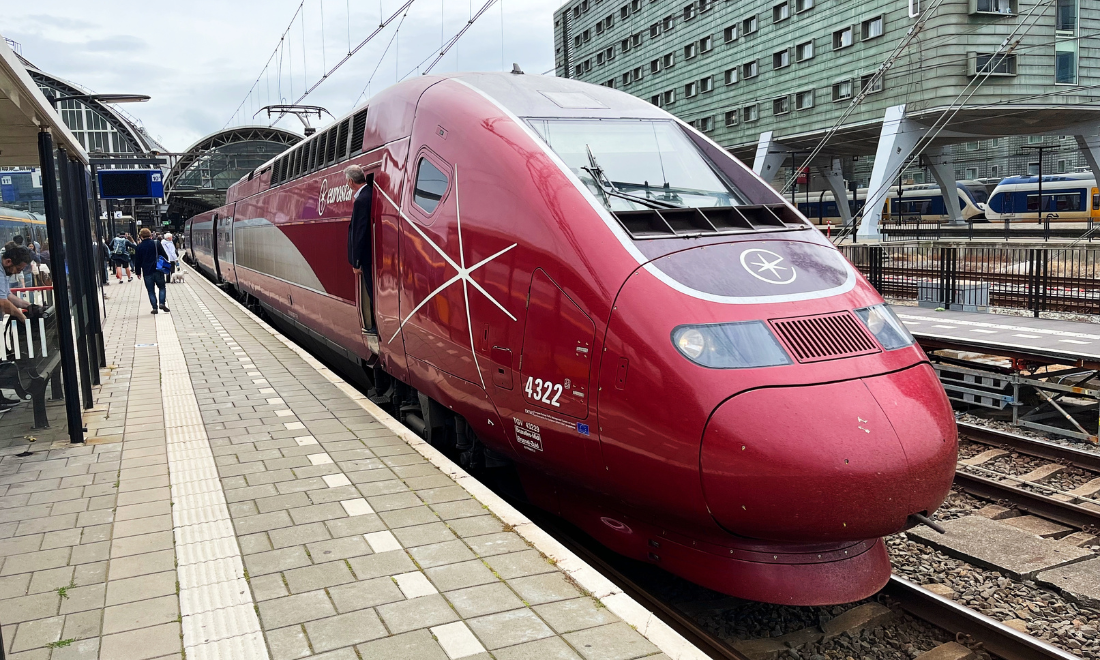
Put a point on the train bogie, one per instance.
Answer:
(571, 281)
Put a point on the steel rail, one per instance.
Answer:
(1086, 460)
(995, 637)
(1027, 501)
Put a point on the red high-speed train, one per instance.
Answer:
(572, 281)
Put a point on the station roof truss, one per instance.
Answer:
(200, 177)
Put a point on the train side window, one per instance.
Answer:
(431, 185)
(1096, 201)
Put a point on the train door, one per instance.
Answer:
(387, 178)
(1094, 207)
(214, 246)
(363, 297)
(226, 256)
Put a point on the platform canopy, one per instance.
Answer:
(24, 111)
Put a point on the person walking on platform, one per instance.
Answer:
(359, 241)
(145, 266)
(120, 256)
(173, 258)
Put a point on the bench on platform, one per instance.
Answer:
(31, 360)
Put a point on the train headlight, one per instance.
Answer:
(730, 345)
(885, 326)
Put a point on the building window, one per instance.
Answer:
(579, 69)
(668, 23)
(706, 124)
(1035, 139)
(869, 84)
(626, 78)
(706, 44)
(1065, 42)
(781, 105)
(804, 51)
(804, 100)
(731, 76)
(577, 11)
(635, 40)
(706, 84)
(577, 41)
(871, 28)
(705, 5)
(982, 64)
(625, 45)
(691, 50)
(730, 34)
(588, 65)
(781, 59)
(655, 66)
(842, 90)
(637, 73)
(691, 89)
(973, 146)
(781, 12)
(624, 12)
(636, 5)
(654, 30)
(669, 60)
(655, 100)
(994, 170)
(1003, 7)
(599, 58)
(748, 26)
(750, 69)
(1061, 167)
(750, 112)
(803, 5)
(1033, 169)
(610, 53)
(609, 21)
(689, 12)
(670, 96)
(842, 38)
(731, 118)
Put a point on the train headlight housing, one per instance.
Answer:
(885, 326)
(739, 345)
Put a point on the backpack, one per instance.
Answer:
(118, 246)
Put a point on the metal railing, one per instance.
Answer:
(1035, 279)
(911, 229)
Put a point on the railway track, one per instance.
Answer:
(1060, 508)
(960, 621)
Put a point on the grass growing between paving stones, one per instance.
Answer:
(60, 644)
(64, 591)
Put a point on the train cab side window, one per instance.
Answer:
(431, 184)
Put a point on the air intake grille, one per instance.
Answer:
(824, 337)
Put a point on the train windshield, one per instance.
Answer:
(637, 164)
(977, 194)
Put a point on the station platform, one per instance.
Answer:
(236, 499)
(1067, 342)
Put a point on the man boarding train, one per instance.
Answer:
(359, 241)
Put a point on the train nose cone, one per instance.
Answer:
(830, 462)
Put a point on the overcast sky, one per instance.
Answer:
(198, 59)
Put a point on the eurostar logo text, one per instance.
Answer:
(332, 196)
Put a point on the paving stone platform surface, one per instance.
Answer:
(232, 502)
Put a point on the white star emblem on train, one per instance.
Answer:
(462, 274)
(765, 268)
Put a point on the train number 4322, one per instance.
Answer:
(543, 391)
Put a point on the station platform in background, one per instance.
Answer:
(1070, 342)
(236, 499)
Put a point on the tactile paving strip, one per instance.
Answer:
(219, 615)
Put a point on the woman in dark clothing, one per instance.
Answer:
(145, 267)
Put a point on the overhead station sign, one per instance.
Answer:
(130, 184)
